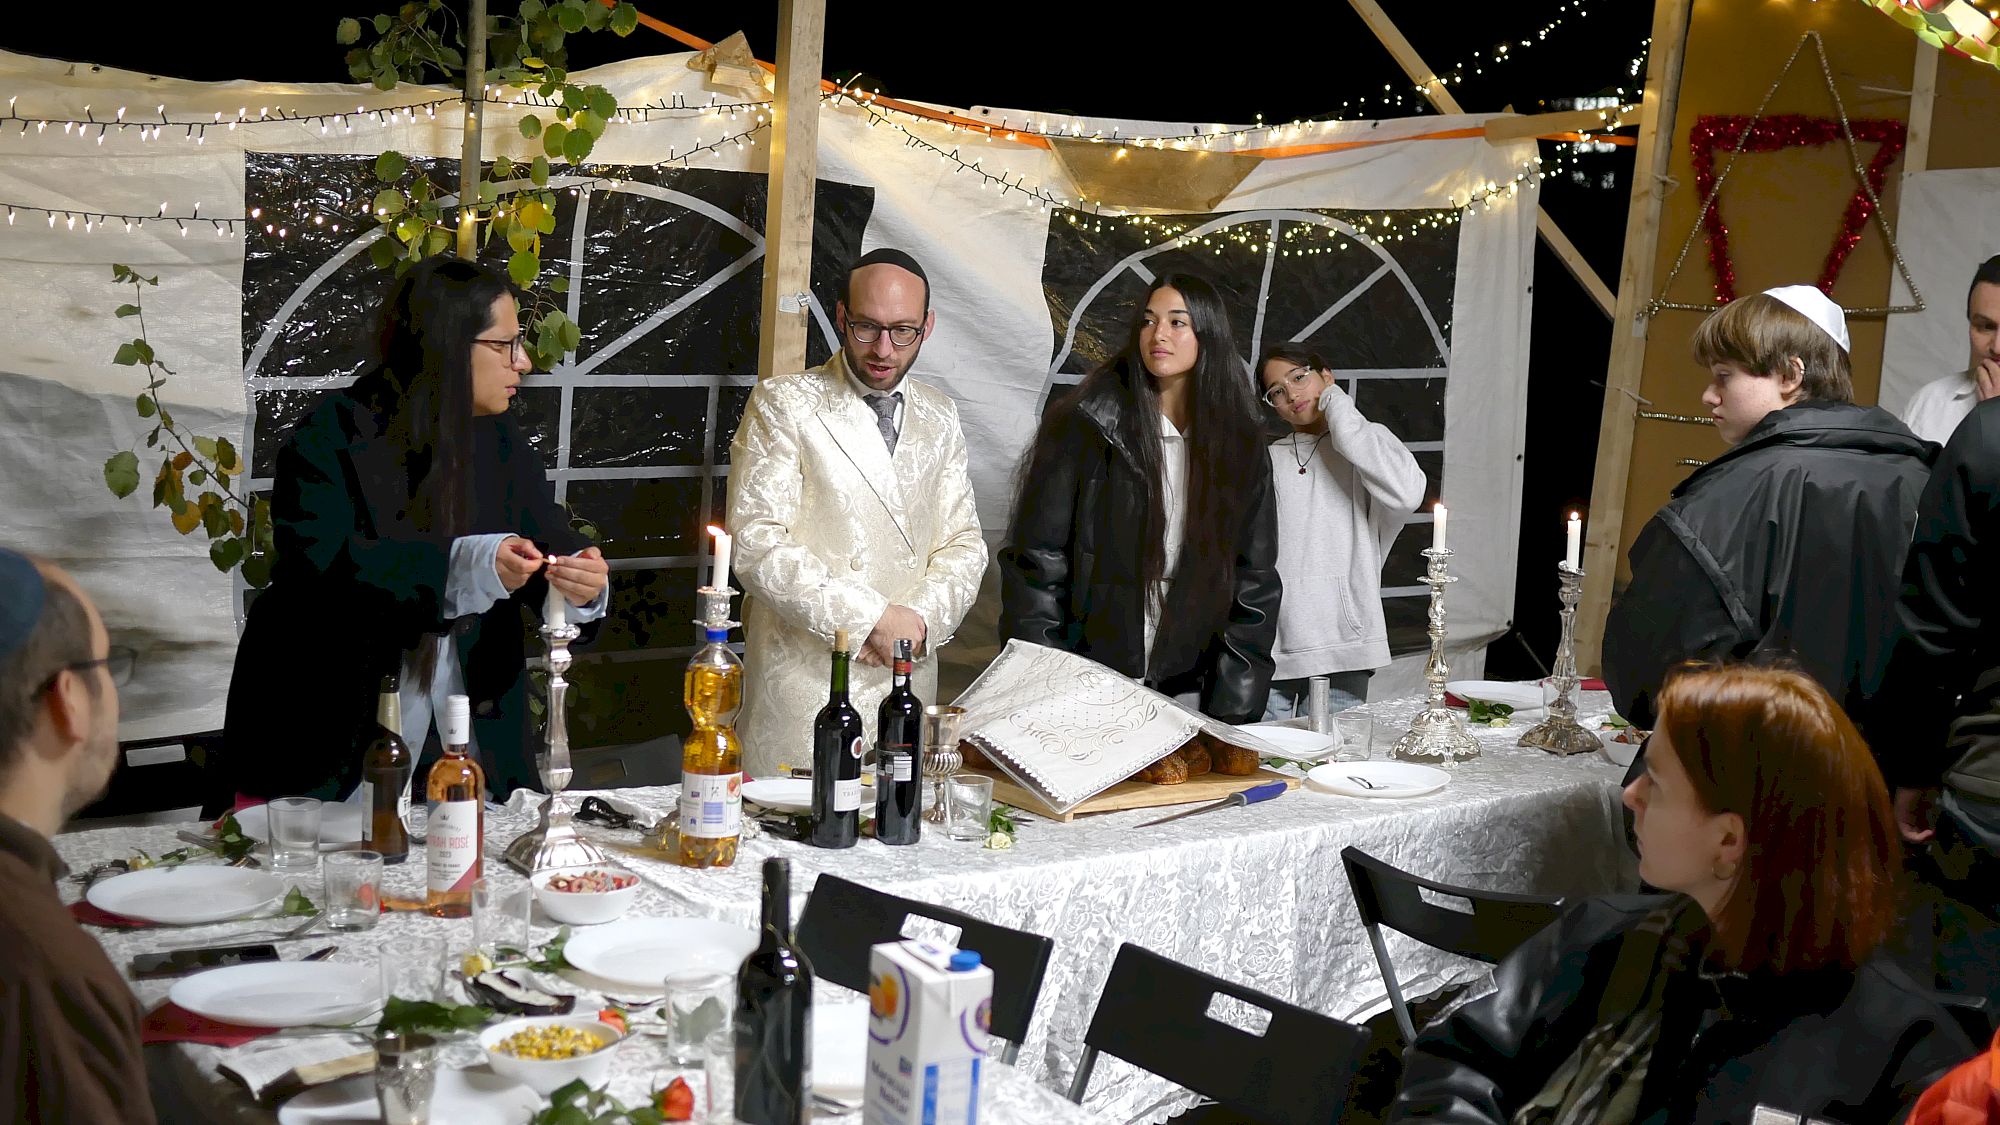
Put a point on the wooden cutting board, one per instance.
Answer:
(1133, 794)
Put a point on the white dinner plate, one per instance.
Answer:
(840, 1049)
(281, 993)
(462, 1097)
(339, 823)
(794, 794)
(187, 895)
(639, 953)
(1384, 779)
(1297, 743)
(1523, 698)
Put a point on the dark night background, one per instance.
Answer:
(1277, 60)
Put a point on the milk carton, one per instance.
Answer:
(929, 1008)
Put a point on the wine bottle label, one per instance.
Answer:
(902, 759)
(854, 748)
(451, 849)
(847, 794)
(368, 808)
(403, 802)
(711, 805)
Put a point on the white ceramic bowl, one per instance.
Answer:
(546, 1076)
(1620, 753)
(584, 908)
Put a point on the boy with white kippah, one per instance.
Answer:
(1790, 544)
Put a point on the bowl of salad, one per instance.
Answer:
(586, 896)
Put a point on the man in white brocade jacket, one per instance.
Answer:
(852, 509)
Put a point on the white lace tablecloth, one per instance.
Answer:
(1255, 895)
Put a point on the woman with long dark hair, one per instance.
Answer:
(414, 527)
(1759, 989)
(1144, 534)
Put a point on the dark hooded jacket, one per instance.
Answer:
(1791, 544)
(1070, 574)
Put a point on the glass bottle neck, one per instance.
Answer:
(777, 903)
(389, 712)
(840, 660)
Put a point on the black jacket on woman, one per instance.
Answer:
(1828, 1045)
(1070, 574)
(356, 585)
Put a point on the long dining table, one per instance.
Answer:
(1255, 895)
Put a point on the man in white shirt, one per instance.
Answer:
(1939, 406)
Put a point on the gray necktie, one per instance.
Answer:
(885, 416)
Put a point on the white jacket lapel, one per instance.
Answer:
(851, 423)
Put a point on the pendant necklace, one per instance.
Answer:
(1314, 448)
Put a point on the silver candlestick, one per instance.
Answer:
(1435, 734)
(554, 841)
(1559, 732)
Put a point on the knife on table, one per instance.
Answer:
(1250, 796)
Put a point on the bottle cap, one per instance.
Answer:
(457, 720)
(903, 649)
(964, 960)
(840, 640)
(714, 634)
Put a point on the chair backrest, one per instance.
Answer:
(1974, 1015)
(1498, 921)
(844, 920)
(1163, 1017)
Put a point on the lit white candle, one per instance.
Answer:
(719, 577)
(1437, 527)
(1574, 554)
(552, 609)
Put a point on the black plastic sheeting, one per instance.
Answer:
(1097, 271)
(664, 239)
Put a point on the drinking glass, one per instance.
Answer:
(718, 1070)
(969, 806)
(697, 1006)
(352, 882)
(500, 909)
(1317, 691)
(405, 1077)
(294, 833)
(1354, 737)
(412, 968)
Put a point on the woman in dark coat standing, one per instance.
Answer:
(415, 526)
(1145, 535)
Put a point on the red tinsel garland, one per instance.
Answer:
(1714, 131)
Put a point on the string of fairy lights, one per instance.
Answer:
(754, 117)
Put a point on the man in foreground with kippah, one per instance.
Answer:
(69, 1028)
(1790, 544)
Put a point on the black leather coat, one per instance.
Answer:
(1070, 574)
(1789, 544)
(1830, 1045)
(356, 585)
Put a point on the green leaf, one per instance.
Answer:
(411, 230)
(383, 253)
(128, 355)
(214, 517)
(1487, 714)
(523, 266)
(530, 61)
(206, 447)
(437, 242)
(624, 19)
(488, 191)
(595, 17)
(390, 166)
(519, 238)
(257, 570)
(503, 168)
(144, 350)
(146, 406)
(128, 310)
(407, 1016)
(531, 126)
(385, 79)
(382, 24)
(602, 102)
(570, 16)
(120, 273)
(531, 8)
(198, 477)
(225, 554)
(121, 473)
(296, 902)
(538, 172)
(559, 284)
(572, 335)
(575, 99)
(347, 32)
(589, 123)
(552, 138)
(225, 457)
(577, 145)
(387, 202)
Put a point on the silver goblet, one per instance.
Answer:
(941, 756)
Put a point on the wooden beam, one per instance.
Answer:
(1420, 72)
(1923, 96)
(1500, 130)
(1628, 327)
(788, 215)
(475, 125)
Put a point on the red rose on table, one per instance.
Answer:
(616, 1018)
(677, 1101)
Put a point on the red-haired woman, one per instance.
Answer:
(1758, 984)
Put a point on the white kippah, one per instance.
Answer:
(1809, 302)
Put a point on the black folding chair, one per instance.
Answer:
(1389, 896)
(843, 921)
(1974, 1015)
(1162, 1017)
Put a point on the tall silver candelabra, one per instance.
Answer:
(1435, 734)
(554, 841)
(1559, 732)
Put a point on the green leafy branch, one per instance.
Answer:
(578, 1104)
(407, 1017)
(237, 523)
